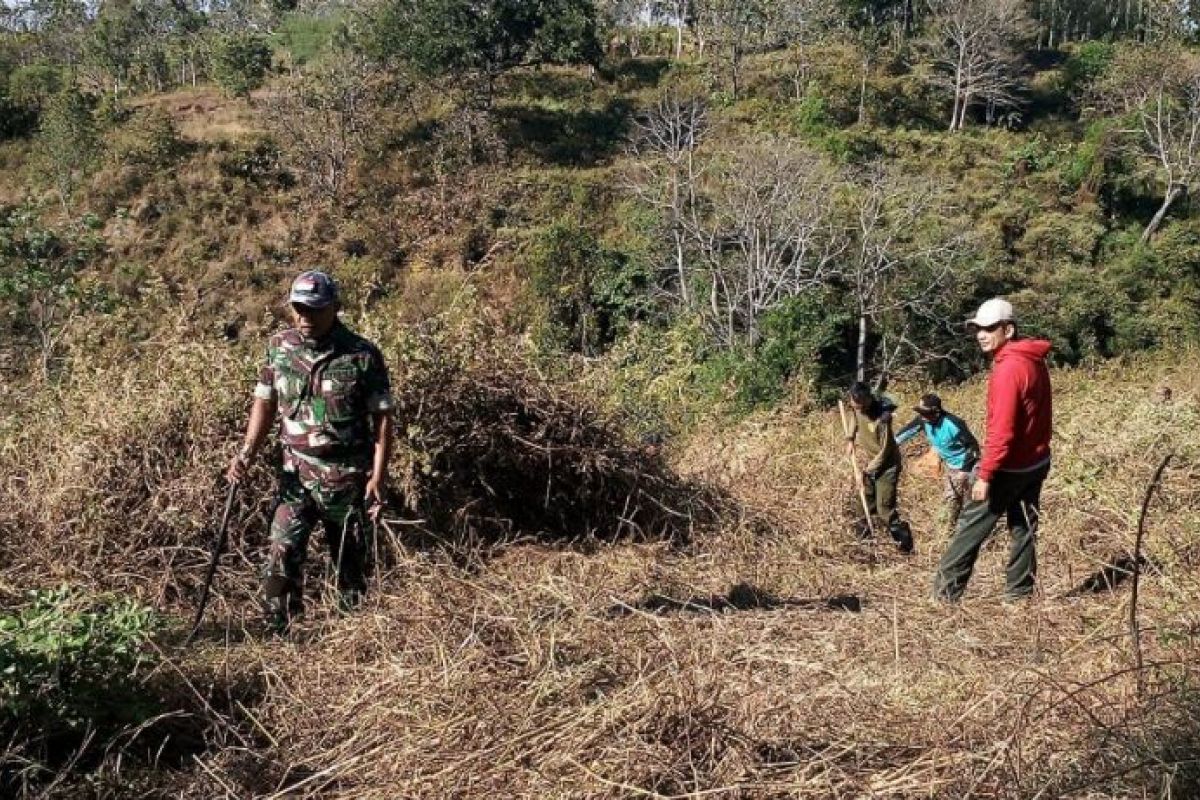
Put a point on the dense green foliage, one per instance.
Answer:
(591, 293)
(463, 39)
(777, 180)
(39, 278)
(240, 63)
(72, 666)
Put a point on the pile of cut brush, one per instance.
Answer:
(492, 451)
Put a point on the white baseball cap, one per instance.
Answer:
(992, 312)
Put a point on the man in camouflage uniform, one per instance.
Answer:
(330, 390)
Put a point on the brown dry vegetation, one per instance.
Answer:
(766, 654)
(557, 613)
(205, 114)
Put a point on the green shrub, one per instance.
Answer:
(32, 86)
(257, 160)
(1031, 155)
(649, 377)
(850, 146)
(71, 664)
(240, 63)
(305, 37)
(810, 117)
(149, 139)
(590, 293)
(1088, 62)
(39, 267)
(1096, 164)
(802, 342)
(68, 140)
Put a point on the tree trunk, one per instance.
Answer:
(958, 91)
(680, 268)
(1173, 193)
(860, 356)
(962, 112)
(862, 91)
(736, 65)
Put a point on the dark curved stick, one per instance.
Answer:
(1135, 632)
(218, 549)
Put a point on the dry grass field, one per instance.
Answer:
(766, 653)
(205, 114)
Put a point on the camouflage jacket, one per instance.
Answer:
(326, 393)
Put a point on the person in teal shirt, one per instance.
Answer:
(955, 445)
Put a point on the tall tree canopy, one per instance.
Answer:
(482, 38)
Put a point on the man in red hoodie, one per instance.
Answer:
(1016, 456)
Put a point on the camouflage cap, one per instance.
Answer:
(314, 289)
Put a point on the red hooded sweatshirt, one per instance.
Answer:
(1018, 409)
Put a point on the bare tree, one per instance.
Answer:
(1157, 89)
(972, 45)
(664, 171)
(321, 119)
(763, 232)
(677, 13)
(901, 264)
(809, 24)
(738, 28)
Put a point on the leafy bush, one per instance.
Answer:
(68, 140)
(32, 86)
(305, 37)
(150, 139)
(810, 117)
(256, 160)
(590, 293)
(38, 269)
(457, 38)
(70, 665)
(240, 63)
(1088, 62)
(802, 342)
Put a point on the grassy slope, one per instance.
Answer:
(518, 678)
(524, 673)
(535, 670)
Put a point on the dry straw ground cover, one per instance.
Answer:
(721, 634)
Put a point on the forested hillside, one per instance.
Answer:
(621, 256)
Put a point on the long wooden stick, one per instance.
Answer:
(1135, 632)
(858, 478)
(218, 548)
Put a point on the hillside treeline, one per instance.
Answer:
(791, 193)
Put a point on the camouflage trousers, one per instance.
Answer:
(300, 508)
(956, 489)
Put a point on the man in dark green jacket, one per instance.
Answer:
(871, 430)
